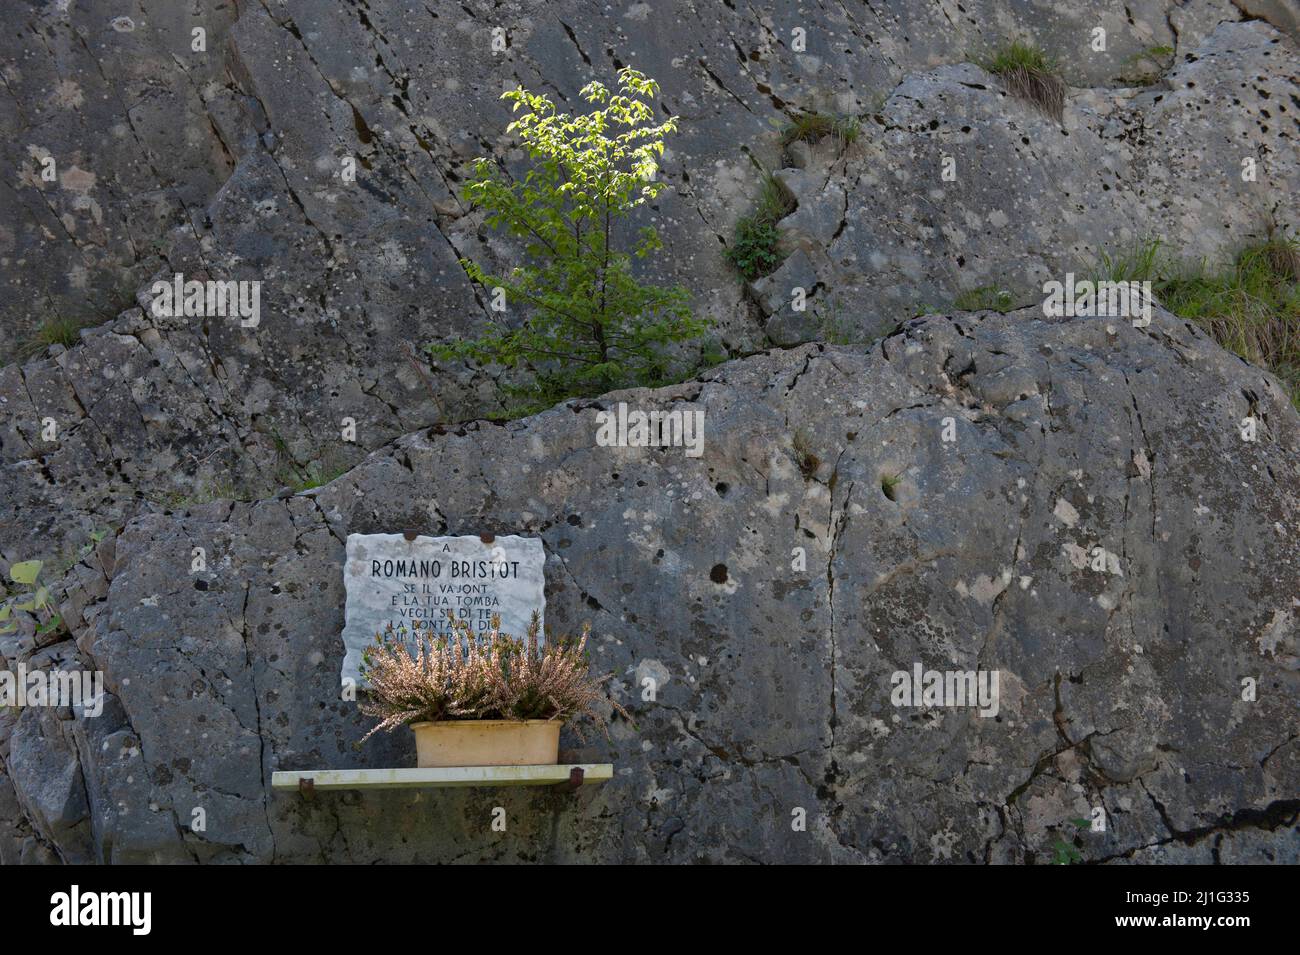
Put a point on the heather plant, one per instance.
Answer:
(590, 326)
(461, 676)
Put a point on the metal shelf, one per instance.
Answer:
(562, 776)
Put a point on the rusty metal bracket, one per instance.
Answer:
(573, 783)
(487, 538)
(307, 788)
(410, 535)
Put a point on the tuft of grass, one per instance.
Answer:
(1140, 263)
(753, 249)
(1017, 55)
(203, 494)
(1251, 308)
(803, 454)
(55, 331)
(1161, 52)
(317, 476)
(1030, 74)
(774, 201)
(813, 127)
(986, 298)
(832, 325)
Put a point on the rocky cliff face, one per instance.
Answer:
(827, 537)
(228, 164)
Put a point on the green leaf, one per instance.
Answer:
(26, 571)
(577, 323)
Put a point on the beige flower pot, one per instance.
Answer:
(487, 743)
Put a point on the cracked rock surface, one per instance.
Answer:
(227, 163)
(827, 537)
(771, 593)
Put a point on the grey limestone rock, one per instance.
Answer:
(1120, 680)
(1096, 531)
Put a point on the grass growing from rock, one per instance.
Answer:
(1030, 74)
(315, 476)
(833, 326)
(206, 493)
(813, 127)
(803, 454)
(55, 331)
(753, 249)
(1251, 308)
(986, 298)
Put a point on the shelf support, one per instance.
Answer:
(573, 783)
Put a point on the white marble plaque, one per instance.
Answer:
(389, 579)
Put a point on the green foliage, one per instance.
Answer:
(832, 326)
(1251, 308)
(317, 475)
(985, 298)
(1139, 263)
(590, 326)
(813, 127)
(31, 597)
(25, 572)
(753, 249)
(1017, 55)
(55, 331)
(301, 477)
(206, 493)
(774, 201)
(70, 560)
(1029, 73)
(1064, 851)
